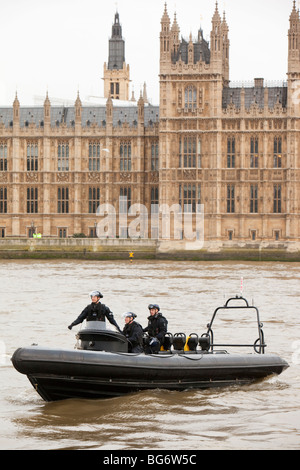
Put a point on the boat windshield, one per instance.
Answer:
(95, 325)
(99, 325)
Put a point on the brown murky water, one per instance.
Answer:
(40, 298)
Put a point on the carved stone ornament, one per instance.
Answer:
(94, 177)
(32, 177)
(3, 178)
(154, 178)
(63, 177)
(125, 177)
(189, 174)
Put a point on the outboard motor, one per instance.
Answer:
(96, 337)
(179, 341)
(204, 342)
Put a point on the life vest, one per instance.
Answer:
(96, 312)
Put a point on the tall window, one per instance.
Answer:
(63, 157)
(63, 200)
(125, 199)
(115, 90)
(3, 200)
(190, 97)
(277, 152)
(253, 198)
(277, 199)
(125, 156)
(32, 200)
(94, 156)
(254, 152)
(154, 199)
(32, 157)
(189, 196)
(3, 157)
(230, 198)
(94, 200)
(154, 156)
(231, 152)
(189, 152)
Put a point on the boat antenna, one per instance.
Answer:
(242, 281)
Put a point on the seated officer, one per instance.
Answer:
(133, 332)
(156, 329)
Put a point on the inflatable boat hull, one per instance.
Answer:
(60, 374)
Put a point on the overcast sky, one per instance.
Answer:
(61, 45)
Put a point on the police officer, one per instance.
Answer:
(156, 329)
(133, 332)
(95, 311)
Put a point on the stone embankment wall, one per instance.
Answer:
(110, 249)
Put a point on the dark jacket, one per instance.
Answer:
(157, 326)
(134, 333)
(94, 312)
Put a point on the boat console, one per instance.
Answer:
(97, 337)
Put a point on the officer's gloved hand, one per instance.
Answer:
(70, 327)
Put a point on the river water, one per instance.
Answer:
(40, 298)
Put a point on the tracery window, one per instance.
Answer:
(189, 152)
(63, 157)
(253, 198)
(230, 198)
(190, 97)
(231, 152)
(3, 200)
(254, 152)
(32, 156)
(277, 198)
(32, 200)
(277, 152)
(3, 156)
(125, 199)
(94, 156)
(125, 156)
(189, 197)
(63, 200)
(94, 200)
(154, 199)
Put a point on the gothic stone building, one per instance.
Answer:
(233, 149)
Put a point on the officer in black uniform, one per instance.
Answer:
(133, 332)
(96, 311)
(156, 329)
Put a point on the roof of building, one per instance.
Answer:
(90, 115)
(255, 95)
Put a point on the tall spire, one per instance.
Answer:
(116, 46)
(116, 72)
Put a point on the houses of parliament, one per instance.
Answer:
(233, 150)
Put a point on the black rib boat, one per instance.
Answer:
(101, 367)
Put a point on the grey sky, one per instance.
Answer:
(61, 45)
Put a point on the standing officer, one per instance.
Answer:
(96, 311)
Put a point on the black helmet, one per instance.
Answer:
(153, 306)
(96, 293)
(129, 314)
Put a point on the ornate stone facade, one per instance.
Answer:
(233, 149)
